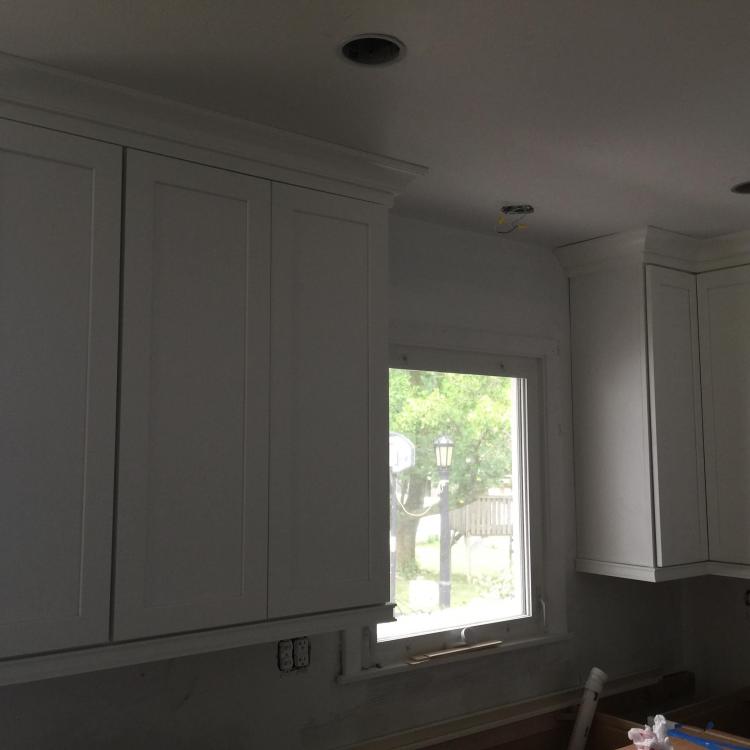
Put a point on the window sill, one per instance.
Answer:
(397, 668)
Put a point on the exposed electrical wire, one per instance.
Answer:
(429, 509)
(516, 213)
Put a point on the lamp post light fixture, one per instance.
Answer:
(443, 459)
(443, 455)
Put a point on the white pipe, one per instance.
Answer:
(591, 692)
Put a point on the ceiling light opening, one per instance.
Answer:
(373, 49)
(511, 217)
(743, 188)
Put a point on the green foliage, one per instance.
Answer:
(473, 410)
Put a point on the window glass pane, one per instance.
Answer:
(458, 500)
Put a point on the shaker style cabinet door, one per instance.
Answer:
(676, 419)
(191, 539)
(59, 267)
(329, 491)
(724, 303)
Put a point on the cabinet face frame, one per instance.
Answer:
(151, 264)
(94, 354)
(302, 221)
(676, 417)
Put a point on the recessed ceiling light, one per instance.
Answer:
(743, 188)
(373, 49)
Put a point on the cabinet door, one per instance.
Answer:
(676, 420)
(724, 302)
(59, 267)
(329, 495)
(192, 488)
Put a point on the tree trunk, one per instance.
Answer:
(406, 531)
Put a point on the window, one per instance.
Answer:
(465, 482)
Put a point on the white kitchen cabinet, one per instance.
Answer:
(328, 513)
(640, 498)
(725, 364)
(193, 457)
(136, 358)
(59, 268)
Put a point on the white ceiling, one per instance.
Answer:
(605, 114)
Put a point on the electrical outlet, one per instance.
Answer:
(301, 652)
(285, 655)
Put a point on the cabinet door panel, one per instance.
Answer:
(59, 268)
(192, 499)
(328, 499)
(724, 302)
(676, 420)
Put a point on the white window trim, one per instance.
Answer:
(550, 551)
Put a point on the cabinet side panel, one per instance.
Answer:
(676, 420)
(724, 305)
(326, 510)
(59, 260)
(610, 417)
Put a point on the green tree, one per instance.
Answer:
(474, 410)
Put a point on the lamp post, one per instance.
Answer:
(444, 458)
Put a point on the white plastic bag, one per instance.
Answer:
(652, 738)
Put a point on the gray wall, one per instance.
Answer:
(237, 699)
(717, 633)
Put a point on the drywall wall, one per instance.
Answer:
(717, 633)
(237, 699)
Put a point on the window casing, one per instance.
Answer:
(529, 485)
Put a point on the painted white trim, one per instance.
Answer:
(668, 573)
(408, 333)
(656, 246)
(642, 572)
(42, 95)
(466, 726)
(554, 554)
(589, 255)
(396, 668)
(31, 668)
(729, 570)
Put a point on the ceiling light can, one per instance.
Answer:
(373, 50)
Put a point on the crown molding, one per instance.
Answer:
(658, 247)
(46, 96)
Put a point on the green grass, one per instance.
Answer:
(491, 575)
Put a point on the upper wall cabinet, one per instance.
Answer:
(219, 393)
(193, 476)
(725, 363)
(328, 517)
(637, 421)
(661, 403)
(59, 267)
